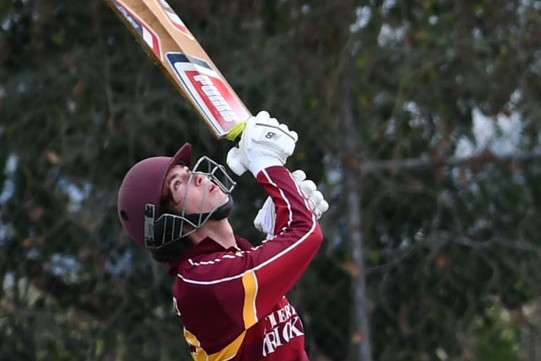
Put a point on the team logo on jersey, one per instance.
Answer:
(147, 34)
(173, 17)
(282, 326)
(216, 102)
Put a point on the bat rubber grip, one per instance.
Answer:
(235, 132)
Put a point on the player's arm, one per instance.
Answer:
(269, 271)
(297, 237)
(276, 266)
(265, 220)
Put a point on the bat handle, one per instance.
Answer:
(235, 132)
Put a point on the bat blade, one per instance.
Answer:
(172, 46)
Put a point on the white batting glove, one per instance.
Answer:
(315, 198)
(266, 216)
(264, 143)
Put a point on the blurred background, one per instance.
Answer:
(419, 120)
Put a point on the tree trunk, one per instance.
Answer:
(361, 346)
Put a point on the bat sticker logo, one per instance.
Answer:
(174, 18)
(216, 102)
(147, 34)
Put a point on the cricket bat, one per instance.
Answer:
(172, 46)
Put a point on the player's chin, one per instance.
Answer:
(217, 202)
(225, 199)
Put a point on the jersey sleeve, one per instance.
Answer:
(278, 263)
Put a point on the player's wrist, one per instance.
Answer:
(257, 164)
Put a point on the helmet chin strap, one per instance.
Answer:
(219, 213)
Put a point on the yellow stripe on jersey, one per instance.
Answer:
(227, 353)
(198, 354)
(249, 281)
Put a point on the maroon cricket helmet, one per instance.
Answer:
(143, 184)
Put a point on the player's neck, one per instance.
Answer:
(220, 231)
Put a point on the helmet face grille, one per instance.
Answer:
(216, 173)
(170, 227)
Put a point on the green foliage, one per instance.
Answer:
(497, 336)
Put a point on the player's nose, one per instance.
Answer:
(200, 179)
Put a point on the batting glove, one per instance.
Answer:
(266, 216)
(264, 143)
(315, 198)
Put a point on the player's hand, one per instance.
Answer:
(264, 143)
(265, 219)
(266, 216)
(315, 198)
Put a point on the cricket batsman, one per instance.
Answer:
(229, 294)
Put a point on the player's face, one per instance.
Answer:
(195, 190)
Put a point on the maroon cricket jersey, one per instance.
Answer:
(232, 301)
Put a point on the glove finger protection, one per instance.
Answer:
(235, 161)
(284, 128)
(308, 186)
(299, 176)
(262, 118)
(266, 216)
(265, 135)
(264, 143)
(323, 206)
(318, 204)
(315, 198)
